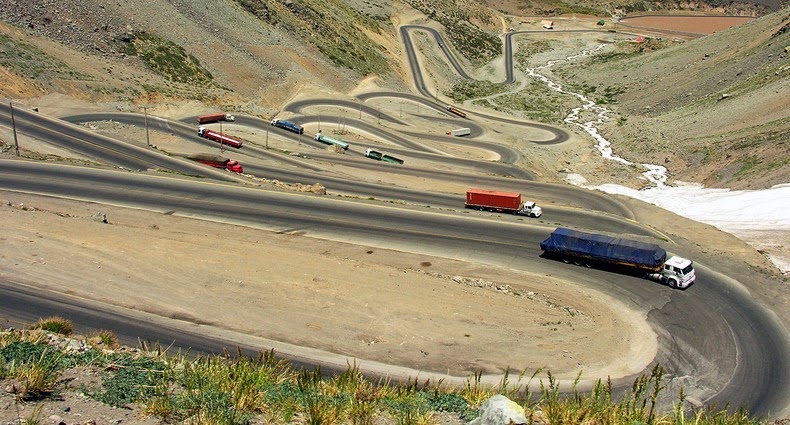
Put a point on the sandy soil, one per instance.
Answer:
(426, 313)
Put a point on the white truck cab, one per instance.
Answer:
(677, 272)
(530, 209)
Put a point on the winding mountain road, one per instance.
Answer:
(714, 338)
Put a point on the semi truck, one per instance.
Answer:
(460, 132)
(593, 250)
(370, 153)
(287, 125)
(217, 161)
(330, 141)
(209, 118)
(378, 156)
(456, 111)
(507, 202)
(219, 138)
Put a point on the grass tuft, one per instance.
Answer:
(236, 389)
(56, 325)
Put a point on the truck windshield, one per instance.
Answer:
(688, 269)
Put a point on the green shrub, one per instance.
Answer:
(167, 59)
(126, 379)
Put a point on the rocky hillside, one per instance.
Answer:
(711, 109)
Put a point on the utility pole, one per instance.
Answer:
(13, 125)
(221, 145)
(147, 137)
(267, 137)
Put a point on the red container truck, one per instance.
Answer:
(217, 161)
(209, 118)
(508, 202)
(219, 138)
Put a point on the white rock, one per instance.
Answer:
(500, 410)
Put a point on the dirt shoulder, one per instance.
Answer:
(426, 313)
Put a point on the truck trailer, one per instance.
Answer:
(219, 138)
(391, 159)
(456, 111)
(507, 202)
(217, 161)
(594, 250)
(209, 118)
(287, 125)
(330, 141)
(459, 132)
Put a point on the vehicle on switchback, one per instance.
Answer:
(507, 202)
(287, 125)
(647, 260)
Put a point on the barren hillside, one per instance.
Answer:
(713, 110)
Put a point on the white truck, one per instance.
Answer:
(458, 132)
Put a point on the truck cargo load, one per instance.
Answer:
(459, 132)
(628, 252)
(508, 202)
(391, 159)
(330, 140)
(456, 111)
(219, 138)
(591, 249)
(209, 118)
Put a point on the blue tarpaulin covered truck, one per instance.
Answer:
(287, 125)
(592, 249)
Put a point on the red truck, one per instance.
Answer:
(508, 202)
(209, 118)
(219, 138)
(217, 161)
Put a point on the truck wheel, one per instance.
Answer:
(578, 262)
(672, 283)
(566, 260)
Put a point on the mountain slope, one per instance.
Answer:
(713, 109)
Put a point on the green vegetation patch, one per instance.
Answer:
(167, 59)
(126, 379)
(334, 27)
(29, 61)
(240, 390)
(473, 89)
